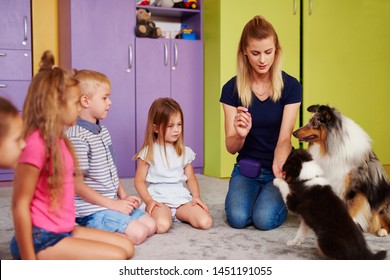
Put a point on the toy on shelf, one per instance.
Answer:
(187, 4)
(143, 3)
(145, 27)
(186, 33)
(166, 3)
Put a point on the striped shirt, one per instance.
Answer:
(93, 147)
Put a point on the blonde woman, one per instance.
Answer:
(261, 104)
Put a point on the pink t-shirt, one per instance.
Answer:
(63, 218)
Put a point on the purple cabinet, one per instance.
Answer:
(99, 35)
(15, 24)
(15, 56)
(171, 68)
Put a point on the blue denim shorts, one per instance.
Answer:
(41, 239)
(110, 220)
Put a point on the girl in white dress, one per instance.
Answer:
(165, 177)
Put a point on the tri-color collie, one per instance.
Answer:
(343, 151)
(307, 193)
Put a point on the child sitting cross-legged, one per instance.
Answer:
(101, 199)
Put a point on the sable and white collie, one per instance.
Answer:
(307, 193)
(343, 151)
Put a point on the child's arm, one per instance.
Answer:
(193, 186)
(26, 178)
(140, 185)
(96, 198)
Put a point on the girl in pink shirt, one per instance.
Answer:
(43, 197)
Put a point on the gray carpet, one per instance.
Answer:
(221, 242)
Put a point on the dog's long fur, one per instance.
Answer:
(308, 194)
(343, 151)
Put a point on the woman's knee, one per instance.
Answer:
(238, 219)
(267, 220)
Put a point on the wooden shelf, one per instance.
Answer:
(170, 12)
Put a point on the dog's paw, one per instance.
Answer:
(382, 232)
(278, 182)
(294, 242)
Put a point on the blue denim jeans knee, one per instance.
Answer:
(254, 201)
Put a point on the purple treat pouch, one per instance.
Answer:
(249, 168)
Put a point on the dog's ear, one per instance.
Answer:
(292, 167)
(313, 108)
(326, 114)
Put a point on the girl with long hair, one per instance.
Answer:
(165, 177)
(43, 196)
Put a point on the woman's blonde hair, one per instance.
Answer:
(160, 113)
(90, 80)
(43, 108)
(7, 112)
(258, 28)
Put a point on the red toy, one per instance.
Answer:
(144, 3)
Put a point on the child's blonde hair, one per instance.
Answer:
(258, 28)
(46, 98)
(90, 80)
(7, 112)
(159, 115)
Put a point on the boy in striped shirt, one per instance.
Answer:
(101, 200)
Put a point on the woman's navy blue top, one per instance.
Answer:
(261, 140)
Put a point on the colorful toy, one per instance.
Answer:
(186, 33)
(145, 27)
(186, 4)
(143, 2)
(166, 3)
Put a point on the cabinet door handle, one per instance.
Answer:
(176, 57)
(310, 7)
(165, 54)
(3, 54)
(130, 55)
(25, 31)
(295, 7)
(3, 86)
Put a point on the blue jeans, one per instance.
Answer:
(110, 220)
(254, 201)
(41, 240)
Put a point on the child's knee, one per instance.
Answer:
(150, 224)
(137, 234)
(163, 226)
(206, 222)
(129, 249)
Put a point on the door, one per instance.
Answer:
(15, 24)
(153, 78)
(187, 90)
(102, 39)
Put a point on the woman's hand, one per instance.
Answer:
(242, 122)
(277, 168)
